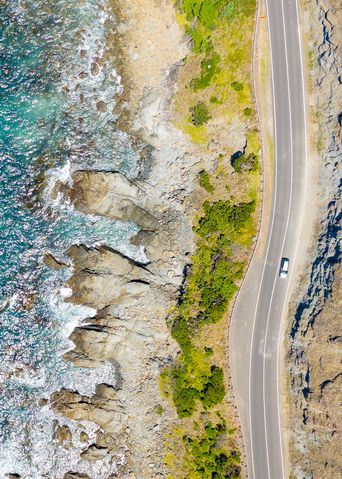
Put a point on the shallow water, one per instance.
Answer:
(49, 125)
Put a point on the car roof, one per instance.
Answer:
(284, 264)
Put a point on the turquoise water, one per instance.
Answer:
(49, 124)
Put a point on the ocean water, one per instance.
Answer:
(49, 126)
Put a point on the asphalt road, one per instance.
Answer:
(256, 329)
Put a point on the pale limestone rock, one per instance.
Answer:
(112, 195)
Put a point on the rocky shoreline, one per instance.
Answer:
(129, 330)
(313, 361)
(120, 430)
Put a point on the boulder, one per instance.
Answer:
(84, 436)
(111, 195)
(94, 453)
(63, 435)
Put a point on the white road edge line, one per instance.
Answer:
(301, 218)
(279, 258)
(268, 243)
(245, 433)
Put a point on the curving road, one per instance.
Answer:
(255, 334)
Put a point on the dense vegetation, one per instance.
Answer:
(208, 459)
(216, 86)
(211, 284)
(199, 114)
(196, 383)
(203, 16)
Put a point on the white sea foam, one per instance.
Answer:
(50, 461)
(65, 292)
(29, 450)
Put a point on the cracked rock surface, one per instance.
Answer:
(314, 359)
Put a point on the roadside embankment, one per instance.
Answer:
(313, 360)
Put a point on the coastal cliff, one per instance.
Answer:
(313, 361)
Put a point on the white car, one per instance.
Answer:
(284, 268)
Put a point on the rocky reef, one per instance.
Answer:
(129, 329)
(315, 332)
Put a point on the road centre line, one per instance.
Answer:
(276, 275)
(301, 220)
(268, 242)
(272, 224)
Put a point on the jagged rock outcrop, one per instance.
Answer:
(129, 328)
(63, 435)
(103, 407)
(111, 195)
(53, 263)
(107, 271)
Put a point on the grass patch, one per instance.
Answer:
(237, 86)
(205, 181)
(199, 134)
(209, 68)
(199, 114)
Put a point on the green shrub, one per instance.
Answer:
(248, 111)
(180, 331)
(194, 379)
(214, 392)
(159, 410)
(206, 458)
(221, 217)
(184, 396)
(237, 86)
(205, 181)
(245, 163)
(201, 41)
(199, 114)
(205, 11)
(214, 99)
